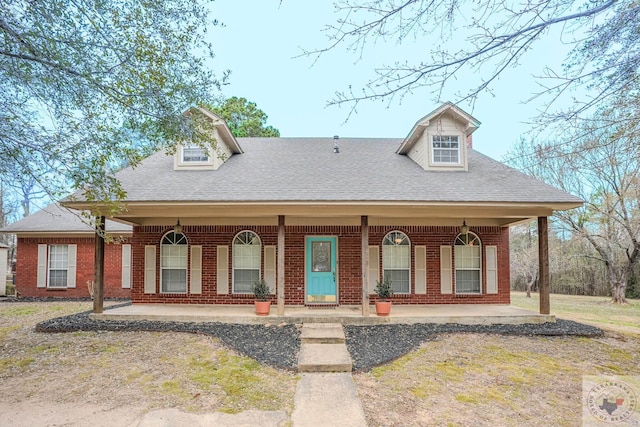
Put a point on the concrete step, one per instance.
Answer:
(322, 333)
(324, 358)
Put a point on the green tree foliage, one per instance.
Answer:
(244, 118)
(601, 164)
(78, 78)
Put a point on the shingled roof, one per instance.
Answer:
(55, 219)
(308, 170)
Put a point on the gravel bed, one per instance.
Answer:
(371, 346)
(278, 345)
(275, 345)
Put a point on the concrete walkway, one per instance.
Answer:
(327, 399)
(326, 394)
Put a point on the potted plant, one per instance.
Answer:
(262, 294)
(384, 291)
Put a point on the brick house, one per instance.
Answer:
(55, 255)
(321, 220)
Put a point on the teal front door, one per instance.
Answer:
(320, 269)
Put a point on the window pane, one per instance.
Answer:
(58, 264)
(396, 261)
(173, 262)
(174, 256)
(58, 256)
(244, 279)
(395, 257)
(468, 281)
(399, 280)
(174, 280)
(194, 154)
(446, 149)
(246, 261)
(57, 278)
(468, 263)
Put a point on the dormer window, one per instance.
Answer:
(194, 154)
(445, 149)
(438, 141)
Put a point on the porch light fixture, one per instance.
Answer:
(464, 228)
(178, 227)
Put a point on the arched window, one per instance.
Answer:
(396, 261)
(173, 263)
(468, 264)
(246, 261)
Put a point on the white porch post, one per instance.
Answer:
(280, 265)
(364, 229)
(543, 259)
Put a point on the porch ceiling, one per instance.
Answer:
(331, 213)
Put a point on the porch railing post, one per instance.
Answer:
(98, 267)
(543, 259)
(280, 265)
(364, 229)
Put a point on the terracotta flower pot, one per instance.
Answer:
(263, 307)
(383, 308)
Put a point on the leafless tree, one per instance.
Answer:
(524, 255)
(603, 169)
(484, 38)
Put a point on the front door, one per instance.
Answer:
(321, 270)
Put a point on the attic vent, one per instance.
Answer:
(336, 147)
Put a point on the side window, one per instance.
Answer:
(58, 266)
(246, 261)
(396, 261)
(173, 263)
(468, 264)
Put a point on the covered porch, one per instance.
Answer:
(464, 314)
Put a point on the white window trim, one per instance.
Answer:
(180, 163)
(186, 269)
(455, 268)
(233, 261)
(57, 269)
(43, 274)
(462, 144)
(409, 268)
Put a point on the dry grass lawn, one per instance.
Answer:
(145, 370)
(455, 380)
(491, 380)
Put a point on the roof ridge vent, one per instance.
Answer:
(336, 147)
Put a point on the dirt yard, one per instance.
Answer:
(115, 378)
(491, 380)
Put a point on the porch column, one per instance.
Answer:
(98, 267)
(543, 258)
(280, 265)
(364, 230)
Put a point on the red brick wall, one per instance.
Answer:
(349, 262)
(27, 268)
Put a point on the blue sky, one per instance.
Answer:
(261, 39)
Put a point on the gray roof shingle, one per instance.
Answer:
(307, 169)
(56, 219)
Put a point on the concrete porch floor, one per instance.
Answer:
(466, 314)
